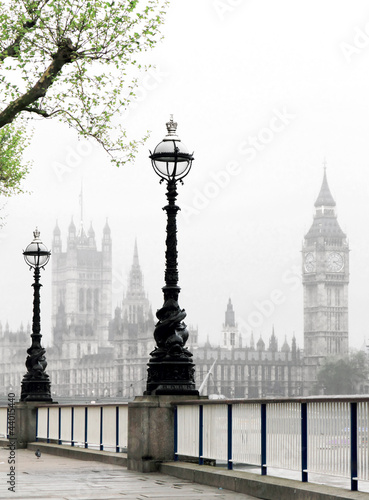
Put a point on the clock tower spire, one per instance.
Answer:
(325, 277)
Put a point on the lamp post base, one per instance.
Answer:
(171, 378)
(36, 390)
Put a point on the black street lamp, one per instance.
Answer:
(36, 382)
(170, 368)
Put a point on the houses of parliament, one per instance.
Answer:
(96, 353)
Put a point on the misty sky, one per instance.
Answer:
(262, 92)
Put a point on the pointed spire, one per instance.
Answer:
(91, 232)
(81, 206)
(56, 229)
(135, 255)
(72, 226)
(285, 346)
(229, 315)
(135, 286)
(106, 229)
(325, 198)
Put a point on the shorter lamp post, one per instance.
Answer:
(170, 368)
(36, 382)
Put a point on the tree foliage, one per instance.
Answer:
(344, 375)
(12, 170)
(69, 59)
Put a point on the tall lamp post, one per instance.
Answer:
(170, 368)
(36, 382)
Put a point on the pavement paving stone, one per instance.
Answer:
(58, 478)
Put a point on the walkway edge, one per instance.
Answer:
(107, 457)
(265, 487)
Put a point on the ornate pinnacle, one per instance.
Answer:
(36, 234)
(172, 130)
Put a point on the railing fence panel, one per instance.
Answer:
(284, 435)
(215, 432)
(246, 434)
(42, 423)
(363, 440)
(93, 425)
(109, 426)
(66, 424)
(123, 426)
(79, 425)
(188, 430)
(54, 423)
(329, 438)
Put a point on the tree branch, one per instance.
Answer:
(66, 53)
(13, 49)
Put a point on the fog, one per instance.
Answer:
(263, 92)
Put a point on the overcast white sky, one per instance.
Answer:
(262, 91)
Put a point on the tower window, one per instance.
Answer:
(337, 297)
(89, 300)
(81, 300)
(96, 300)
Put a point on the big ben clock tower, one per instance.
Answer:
(325, 278)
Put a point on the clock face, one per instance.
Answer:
(309, 262)
(335, 262)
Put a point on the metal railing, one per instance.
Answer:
(326, 435)
(96, 426)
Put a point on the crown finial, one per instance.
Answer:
(171, 127)
(36, 234)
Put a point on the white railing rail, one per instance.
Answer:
(96, 426)
(326, 435)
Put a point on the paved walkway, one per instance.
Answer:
(58, 478)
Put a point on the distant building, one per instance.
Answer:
(325, 278)
(96, 354)
(248, 372)
(81, 291)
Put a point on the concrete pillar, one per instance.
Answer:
(25, 423)
(151, 431)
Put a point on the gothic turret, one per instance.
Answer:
(230, 330)
(57, 244)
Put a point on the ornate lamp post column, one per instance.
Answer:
(36, 383)
(170, 368)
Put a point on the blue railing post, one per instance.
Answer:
(263, 440)
(353, 446)
(86, 424)
(229, 441)
(59, 427)
(176, 433)
(48, 426)
(36, 424)
(72, 427)
(304, 443)
(101, 428)
(201, 435)
(117, 429)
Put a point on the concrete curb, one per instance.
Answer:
(265, 487)
(107, 457)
